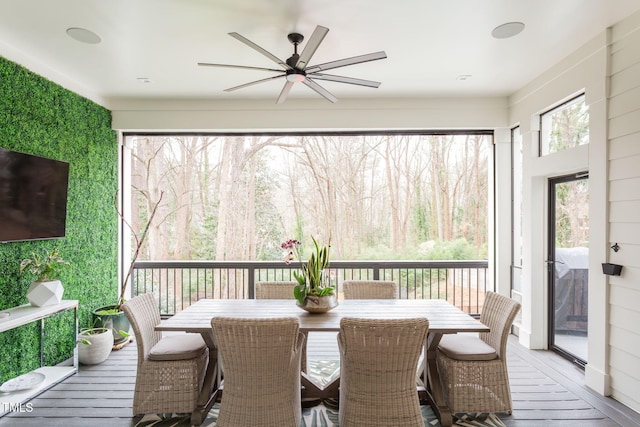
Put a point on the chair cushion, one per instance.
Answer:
(466, 347)
(178, 347)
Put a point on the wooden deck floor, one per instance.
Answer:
(547, 391)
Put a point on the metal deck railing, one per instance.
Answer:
(178, 284)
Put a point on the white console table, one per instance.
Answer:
(22, 315)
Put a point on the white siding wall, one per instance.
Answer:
(624, 211)
(583, 71)
(608, 70)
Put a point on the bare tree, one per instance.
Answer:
(231, 197)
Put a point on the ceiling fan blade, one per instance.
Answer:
(347, 61)
(261, 50)
(245, 67)
(285, 91)
(310, 48)
(322, 91)
(253, 83)
(342, 79)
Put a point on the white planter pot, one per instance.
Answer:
(41, 294)
(99, 348)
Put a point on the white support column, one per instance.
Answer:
(534, 207)
(597, 374)
(124, 206)
(500, 228)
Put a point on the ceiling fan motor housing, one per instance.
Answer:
(292, 61)
(295, 74)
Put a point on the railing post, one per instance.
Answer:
(252, 281)
(376, 272)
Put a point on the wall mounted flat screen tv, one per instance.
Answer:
(33, 197)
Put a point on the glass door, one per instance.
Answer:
(568, 260)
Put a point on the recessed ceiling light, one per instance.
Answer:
(83, 35)
(507, 30)
(463, 77)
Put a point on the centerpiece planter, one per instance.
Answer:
(316, 304)
(313, 293)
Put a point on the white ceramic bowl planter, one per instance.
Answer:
(94, 345)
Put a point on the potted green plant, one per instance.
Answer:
(46, 289)
(313, 292)
(94, 345)
(112, 316)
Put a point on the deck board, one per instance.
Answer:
(546, 390)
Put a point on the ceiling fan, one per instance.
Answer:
(296, 69)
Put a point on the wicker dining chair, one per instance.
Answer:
(370, 289)
(261, 362)
(171, 369)
(378, 361)
(473, 369)
(281, 290)
(275, 290)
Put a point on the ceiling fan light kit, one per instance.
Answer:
(296, 77)
(296, 70)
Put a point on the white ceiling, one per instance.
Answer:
(429, 43)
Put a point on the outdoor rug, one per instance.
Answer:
(317, 416)
(322, 415)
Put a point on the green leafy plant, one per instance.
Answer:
(312, 281)
(95, 329)
(91, 331)
(46, 267)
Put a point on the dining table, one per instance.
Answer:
(444, 318)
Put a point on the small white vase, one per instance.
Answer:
(41, 294)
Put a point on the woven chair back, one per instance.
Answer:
(370, 289)
(498, 314)
(143, 314)
(261, 363)
(275, 290)
(378, 362)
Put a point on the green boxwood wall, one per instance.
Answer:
(41, 118)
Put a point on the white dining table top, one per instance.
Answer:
(443, 317)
